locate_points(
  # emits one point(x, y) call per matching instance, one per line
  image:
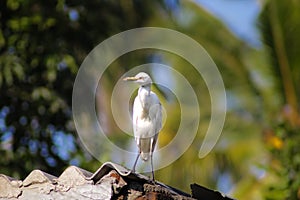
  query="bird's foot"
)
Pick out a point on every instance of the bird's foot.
point(153, 182)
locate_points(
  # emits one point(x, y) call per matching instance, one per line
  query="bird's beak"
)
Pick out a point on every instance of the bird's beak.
point(130, 79)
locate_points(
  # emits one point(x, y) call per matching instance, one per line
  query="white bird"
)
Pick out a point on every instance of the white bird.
point(147, 118)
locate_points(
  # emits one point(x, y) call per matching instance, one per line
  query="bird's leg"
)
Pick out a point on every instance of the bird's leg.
point(152, 143)
point(133, 169)
point(151, 160)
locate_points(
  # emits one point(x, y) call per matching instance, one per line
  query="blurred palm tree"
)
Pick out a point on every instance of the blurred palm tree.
point(280, 27)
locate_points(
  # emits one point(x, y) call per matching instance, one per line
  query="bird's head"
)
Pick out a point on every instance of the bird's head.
point(141, 78)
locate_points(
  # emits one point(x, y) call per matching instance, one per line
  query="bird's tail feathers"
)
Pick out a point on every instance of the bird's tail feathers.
point(145, 156)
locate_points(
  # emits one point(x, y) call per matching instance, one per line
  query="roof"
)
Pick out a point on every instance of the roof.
point(110, 181)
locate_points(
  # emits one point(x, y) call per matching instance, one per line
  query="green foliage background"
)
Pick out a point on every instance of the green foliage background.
point(43, 43)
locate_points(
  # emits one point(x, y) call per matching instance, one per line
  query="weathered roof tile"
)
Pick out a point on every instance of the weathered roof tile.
point(110, 180)
point(72, 176)
point(38, 177)
point(9, 187)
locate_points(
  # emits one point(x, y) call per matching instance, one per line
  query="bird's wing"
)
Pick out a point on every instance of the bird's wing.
point(155, 113)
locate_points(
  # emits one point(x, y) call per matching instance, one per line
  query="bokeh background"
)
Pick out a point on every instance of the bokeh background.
point(255, 45)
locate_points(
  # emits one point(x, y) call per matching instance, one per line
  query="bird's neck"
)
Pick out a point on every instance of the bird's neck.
point(145, 89)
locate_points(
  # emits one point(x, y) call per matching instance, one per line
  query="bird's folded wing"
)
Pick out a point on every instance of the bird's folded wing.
point(156, 116)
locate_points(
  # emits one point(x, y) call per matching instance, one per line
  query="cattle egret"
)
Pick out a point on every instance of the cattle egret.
point(146, 119)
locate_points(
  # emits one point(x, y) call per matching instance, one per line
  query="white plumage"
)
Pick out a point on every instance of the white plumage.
point(147, 118)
